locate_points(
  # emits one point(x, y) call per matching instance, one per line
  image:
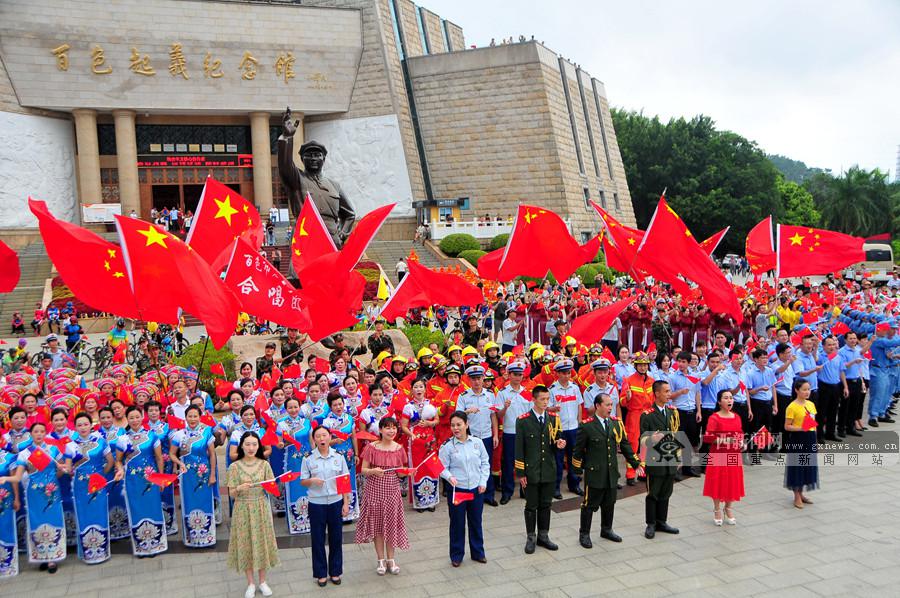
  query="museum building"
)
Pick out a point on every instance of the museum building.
point(133, 104)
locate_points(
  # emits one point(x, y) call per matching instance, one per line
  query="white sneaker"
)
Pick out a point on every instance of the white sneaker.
point(251, 591)
point(264, 589)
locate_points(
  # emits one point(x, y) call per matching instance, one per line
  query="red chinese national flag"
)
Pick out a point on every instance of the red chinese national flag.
point(221, 217)
point(96, 483)
point(710, 244)
point(591, 327)
point(161, 479)
point(805, 251)
point(270, 438)
point(332, 295)
point(342, 436)
point(208, 420)
point(840, 328)
point(760, 247)
point(175, 422)
point(489, 264)
point(9, 268)
point(217, 369)
point(432, 467)
point(223, 387)
point(293, 371)
point(670, 246)
point(311, 239)
point(620, 243)
point(363, 435)
point(92, 267)
point(540, 241)
point(272, 488)
point(289, 439)
point(342, 484)
point(461, 497)
point(166, 275)
point(289, 476)
point(39, 459)
point(423, 287)
point(763, 438)
point(262, 290)
point(361, 235)
point(809, 422)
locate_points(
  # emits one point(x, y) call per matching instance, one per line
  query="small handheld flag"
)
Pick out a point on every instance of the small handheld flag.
point(96, 483)
point(161, 479)
point(342, 483)
point(461, 497)
point(271, 486)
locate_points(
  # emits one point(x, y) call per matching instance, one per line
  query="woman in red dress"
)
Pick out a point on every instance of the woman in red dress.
point(724, 473)
point(381, 517)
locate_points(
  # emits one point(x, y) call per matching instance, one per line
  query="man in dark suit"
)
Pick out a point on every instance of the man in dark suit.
point(658, 427)
point(538, 438)
point(595, 456)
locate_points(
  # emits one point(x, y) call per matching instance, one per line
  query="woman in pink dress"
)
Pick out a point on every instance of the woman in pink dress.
point(381, 517)
point(725, 472)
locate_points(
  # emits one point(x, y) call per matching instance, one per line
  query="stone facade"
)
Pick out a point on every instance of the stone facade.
point(498, 129)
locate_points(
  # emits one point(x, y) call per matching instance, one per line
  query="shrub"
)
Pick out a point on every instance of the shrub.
point(194, 353)
point(587, 273)
point(499, 241)
point(456, 243)
point(472, 256)
point(421, 336)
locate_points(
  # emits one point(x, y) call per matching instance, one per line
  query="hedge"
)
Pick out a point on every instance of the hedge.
point(499, 241)
point(420, 336)
point(456, 243)
point(472, 256)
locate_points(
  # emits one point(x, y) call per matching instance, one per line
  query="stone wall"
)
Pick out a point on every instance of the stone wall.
point(457, 39)
point(434, 32)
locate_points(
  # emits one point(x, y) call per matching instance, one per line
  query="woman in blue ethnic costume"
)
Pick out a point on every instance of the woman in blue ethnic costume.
point(193, 452)
point(139, 451)
point(153, 410)
point(271, 417)
point(45, 522)
point(418, 422)
point(9, 503)
point(60, 432)
point(340, 422)
point(315, 409)
point(91, 455)
point(15, 440)
point(118, 511)
point(298, 428)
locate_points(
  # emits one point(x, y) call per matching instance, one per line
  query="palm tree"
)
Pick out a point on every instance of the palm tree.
point(857, 203)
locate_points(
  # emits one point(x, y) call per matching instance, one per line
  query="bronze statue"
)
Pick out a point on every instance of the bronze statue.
point(336, 210)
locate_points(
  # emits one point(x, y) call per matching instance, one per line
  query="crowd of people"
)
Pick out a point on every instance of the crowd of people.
point(311, 443)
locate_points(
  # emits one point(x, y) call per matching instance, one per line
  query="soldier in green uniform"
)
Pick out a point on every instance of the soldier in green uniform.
point(537, 440)
point(655, 423)
point(595, 456)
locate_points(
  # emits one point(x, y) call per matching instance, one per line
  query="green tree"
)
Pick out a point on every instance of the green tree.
point(714, 178)
point(793, 170)
point(799, 206)
point(859, 202)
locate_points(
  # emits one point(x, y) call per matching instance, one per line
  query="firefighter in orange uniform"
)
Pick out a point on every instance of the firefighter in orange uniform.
point(637, 396)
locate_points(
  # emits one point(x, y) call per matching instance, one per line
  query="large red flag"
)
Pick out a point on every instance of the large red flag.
point(332, 300)
point(670, 246)
point(166, 275)
point(591, 327)
point(423, 287)
point(489, 264)
point(9, 268)
point(710, 244)
point(262, 290)
point(92, 267)
point(362, 234)
point(620, 244)
point(804, 251)
point(760, 247)
point(540, 242)
point(221, 217)
point(311, 238)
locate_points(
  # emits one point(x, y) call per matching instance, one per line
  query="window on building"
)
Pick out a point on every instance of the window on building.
point(602, 199)
point(585, 236)
point(446, 35)
point(587, 197)
point(616, 201)
point(444, 213)
point(420, 21)
point(397, 39)
point(465, 204)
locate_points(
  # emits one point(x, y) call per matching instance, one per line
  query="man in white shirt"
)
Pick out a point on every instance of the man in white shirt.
point(601, 385)
point(511, 327)
point(514, 401)
point(566, 401)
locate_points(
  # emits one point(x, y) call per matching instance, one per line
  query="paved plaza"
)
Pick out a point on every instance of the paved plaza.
point(846, 544)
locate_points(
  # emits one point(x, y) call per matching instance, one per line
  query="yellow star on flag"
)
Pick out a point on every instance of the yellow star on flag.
point(631, 241)
point(529, 216)
point(111, 252)
point(118, 275)
point(296, 252)
point(154, 237)
point(249, 222)
point(225, 210)
point(797, 239)
point(106, 265)
point(246, 208)
point(302, 232)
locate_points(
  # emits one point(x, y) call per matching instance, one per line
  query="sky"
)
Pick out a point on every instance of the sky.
point(817, 81)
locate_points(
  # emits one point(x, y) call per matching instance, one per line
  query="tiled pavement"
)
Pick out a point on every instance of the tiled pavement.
point(846, 544)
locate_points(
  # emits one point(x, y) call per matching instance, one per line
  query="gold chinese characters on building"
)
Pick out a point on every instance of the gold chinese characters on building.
point(249, 67)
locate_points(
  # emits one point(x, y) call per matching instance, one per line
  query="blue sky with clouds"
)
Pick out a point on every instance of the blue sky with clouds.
point(818, 81)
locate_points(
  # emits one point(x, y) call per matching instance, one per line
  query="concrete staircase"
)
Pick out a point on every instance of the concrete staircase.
point(35, 267)
point(388, 253)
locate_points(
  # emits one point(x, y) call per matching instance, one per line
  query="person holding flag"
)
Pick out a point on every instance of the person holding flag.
point(138, 450)
point(516, 401)
point(467, 468)
point(45, 521)
point(802, 471)
point(418, 421)
point(294, 432)
point(10, 502)
point(327, 478)
point(153, 410)
point(482, 407)
point(344, 443)
point(193, 453)
point(251, 546)
point(91, 459)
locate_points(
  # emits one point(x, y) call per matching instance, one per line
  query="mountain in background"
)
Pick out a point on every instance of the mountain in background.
point(794, 170)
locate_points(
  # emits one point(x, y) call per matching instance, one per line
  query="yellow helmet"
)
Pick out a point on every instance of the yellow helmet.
point(399, 359)
point(491, 345)
point(534, 347)
point(538, 353)
point(453, 348)
point(640, 357)
point(424, 352)
point(508, 356)
point(381, 357)
point(469, 350)
point(570, 340)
